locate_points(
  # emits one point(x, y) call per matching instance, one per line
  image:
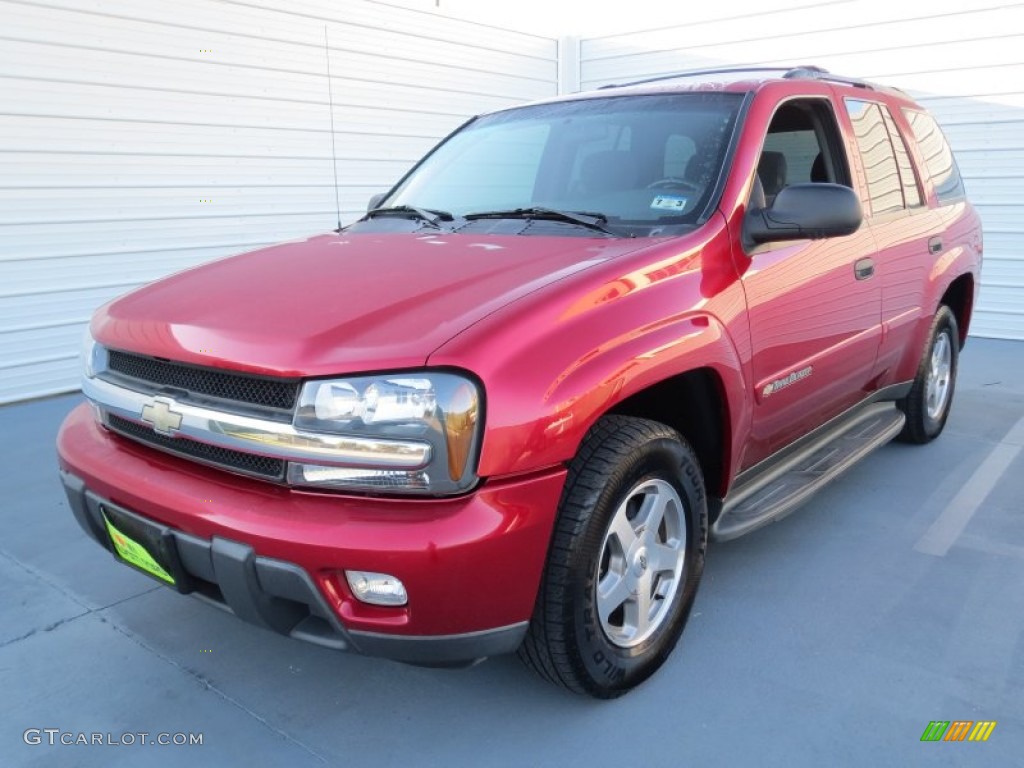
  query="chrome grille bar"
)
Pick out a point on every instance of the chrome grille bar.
point(254, 435)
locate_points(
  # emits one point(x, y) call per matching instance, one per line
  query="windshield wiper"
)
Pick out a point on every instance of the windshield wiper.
point(427, 215)
point(586, 219)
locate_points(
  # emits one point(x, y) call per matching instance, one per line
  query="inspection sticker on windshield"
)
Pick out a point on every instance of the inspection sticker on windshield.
point(668, 203)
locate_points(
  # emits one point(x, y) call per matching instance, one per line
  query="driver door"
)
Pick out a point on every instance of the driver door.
point(814, 306)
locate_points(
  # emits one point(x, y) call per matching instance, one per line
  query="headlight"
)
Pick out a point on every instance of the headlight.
point(441, 412)
point(94, 356)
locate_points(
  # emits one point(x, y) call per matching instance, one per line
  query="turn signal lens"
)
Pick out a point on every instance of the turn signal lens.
point(459, 427)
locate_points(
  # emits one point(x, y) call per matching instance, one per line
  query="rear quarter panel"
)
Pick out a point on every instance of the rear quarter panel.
point(917, 293)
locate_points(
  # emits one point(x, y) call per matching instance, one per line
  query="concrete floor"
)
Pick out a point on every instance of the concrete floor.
point(833, 637)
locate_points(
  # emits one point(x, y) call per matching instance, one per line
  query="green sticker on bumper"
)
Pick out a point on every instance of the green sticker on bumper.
point(133, 552)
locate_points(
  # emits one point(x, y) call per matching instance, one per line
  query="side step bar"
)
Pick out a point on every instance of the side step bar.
point(773, 493)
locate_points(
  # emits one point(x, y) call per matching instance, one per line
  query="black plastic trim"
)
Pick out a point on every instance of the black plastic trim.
point(443, 650)
point(725, 169)
point(269, 396)
point(281, 596)
point(74, 488)
point(269, 468)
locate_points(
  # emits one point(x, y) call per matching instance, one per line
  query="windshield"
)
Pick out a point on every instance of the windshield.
point(644, 164)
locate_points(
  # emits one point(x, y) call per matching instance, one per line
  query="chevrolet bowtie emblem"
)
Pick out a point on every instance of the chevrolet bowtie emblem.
point(164, 420)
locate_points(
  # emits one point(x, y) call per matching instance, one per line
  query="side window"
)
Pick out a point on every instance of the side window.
point(938, 157)
point(885, 189)
point(908, 180)
point(802, 147)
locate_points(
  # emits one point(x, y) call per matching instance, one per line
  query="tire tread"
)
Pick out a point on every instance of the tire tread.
point(915, 430)
point(546, 649)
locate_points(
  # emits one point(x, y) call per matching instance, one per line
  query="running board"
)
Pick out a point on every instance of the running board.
point(774, 493)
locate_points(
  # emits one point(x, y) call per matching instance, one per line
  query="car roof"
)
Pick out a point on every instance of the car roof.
point(729, 80)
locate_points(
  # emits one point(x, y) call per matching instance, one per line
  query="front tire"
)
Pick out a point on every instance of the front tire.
point(625, 560)
point(931, 396)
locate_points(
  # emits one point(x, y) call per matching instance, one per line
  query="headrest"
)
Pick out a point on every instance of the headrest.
point(609, 171)
point(818, 172)
point(772, 170)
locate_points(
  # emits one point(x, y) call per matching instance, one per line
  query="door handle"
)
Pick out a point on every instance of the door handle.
point(864, 268)
point(935, 245)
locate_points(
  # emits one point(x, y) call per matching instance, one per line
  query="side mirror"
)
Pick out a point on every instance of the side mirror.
point(812, 211)
point(376, 200)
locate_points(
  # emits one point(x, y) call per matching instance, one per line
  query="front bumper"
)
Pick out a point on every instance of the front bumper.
point(275, 556)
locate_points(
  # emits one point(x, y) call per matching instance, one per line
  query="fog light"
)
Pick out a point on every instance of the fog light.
point(377, 588)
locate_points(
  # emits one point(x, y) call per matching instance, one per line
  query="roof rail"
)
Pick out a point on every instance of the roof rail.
point(695, 73)
point(807, 72)
point(811, 72)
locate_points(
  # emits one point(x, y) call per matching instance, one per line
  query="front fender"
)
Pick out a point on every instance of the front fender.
point(593, 385)
point(554, 363)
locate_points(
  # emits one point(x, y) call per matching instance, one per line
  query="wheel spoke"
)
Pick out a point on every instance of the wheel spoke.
point(643, 603)
point(622, 529)
point(652, 512)
point(612, 591)
point(662, 557)
point(638, 555)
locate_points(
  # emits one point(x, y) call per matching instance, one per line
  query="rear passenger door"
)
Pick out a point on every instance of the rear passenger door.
point(905, 230)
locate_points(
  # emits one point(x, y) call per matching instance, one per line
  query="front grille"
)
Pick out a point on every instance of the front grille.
point(248, 463)
point(222, 385)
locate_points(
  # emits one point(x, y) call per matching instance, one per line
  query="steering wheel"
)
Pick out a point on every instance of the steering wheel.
point(674, 181)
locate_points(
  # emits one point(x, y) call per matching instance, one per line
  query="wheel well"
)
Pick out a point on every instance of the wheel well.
point(692, 403)
point(959, 297)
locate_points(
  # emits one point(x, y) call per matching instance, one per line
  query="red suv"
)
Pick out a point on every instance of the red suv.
point(507, 408)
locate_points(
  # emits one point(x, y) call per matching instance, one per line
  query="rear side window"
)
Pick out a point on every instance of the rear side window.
point(885, 188)
point(938, 157)
point(911, 192)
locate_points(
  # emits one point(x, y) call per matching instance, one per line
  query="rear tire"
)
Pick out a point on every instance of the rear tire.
point(625, 560)
point(931, 396)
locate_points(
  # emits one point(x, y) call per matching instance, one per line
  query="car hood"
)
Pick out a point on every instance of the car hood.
point(341, 302)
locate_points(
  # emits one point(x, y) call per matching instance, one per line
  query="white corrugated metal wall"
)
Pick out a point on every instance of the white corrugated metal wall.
point(137, 139)
point(140, 138)
point(964, 62)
